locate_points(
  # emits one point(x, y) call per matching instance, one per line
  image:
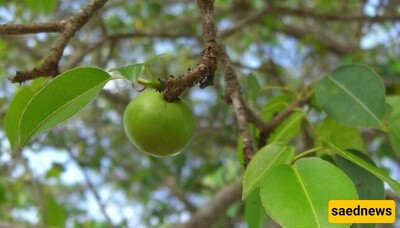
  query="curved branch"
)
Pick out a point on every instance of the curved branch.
point(203, 73)
point(71, 26)
point(268, 128)
point(92, 188)
point(216, 207)
point(241, 110)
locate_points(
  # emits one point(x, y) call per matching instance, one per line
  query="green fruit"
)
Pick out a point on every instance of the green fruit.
point(157, 127)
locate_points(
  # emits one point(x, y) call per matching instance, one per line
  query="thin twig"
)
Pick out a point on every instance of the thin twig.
point(71, 26)
point(179, 193)
point(202, 73)
point(269, 127)
point(92, 188)
point(18, 29)
point(254, 17)
point(307, 13)
point(37, 191)
point(216, 207)
point(241, 111)
point(232, 84)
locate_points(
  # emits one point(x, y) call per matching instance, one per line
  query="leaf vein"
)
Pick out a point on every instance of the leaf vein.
point(356, 99)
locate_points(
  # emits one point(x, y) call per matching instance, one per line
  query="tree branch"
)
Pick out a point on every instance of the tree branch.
point(71, 26)
point(92, 188)
point(203, 73)
point(216, 207)
point(253, 18)
point(19, 29)
point(233, 93)
point(180, 194)
point(306, 13)
point(325, 39)
point(268, 128)
point(322, 37)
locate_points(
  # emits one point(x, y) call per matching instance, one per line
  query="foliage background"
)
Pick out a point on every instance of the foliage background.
point(86, 173)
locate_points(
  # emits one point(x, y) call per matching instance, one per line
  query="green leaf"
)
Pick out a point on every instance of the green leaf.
point(14, 114)
point(3, 196)
point(287, 129)
point(395, 142)
point(363, 225)
point(255, 215)
point(353, 95)
point(55, 171)
point(341, 135)
point(368, 186)
point(239, 149)
point(275, 105)
point(60, 99)
point(131, 72)
point(394, 122)
point(149, 74)
point(253, 90)
point(38, 83)
point(43, 6)
point(214, 179)
point(298, 195)
point(154, 58)
point(55, 213)
point(363, 164)
point(263, 161)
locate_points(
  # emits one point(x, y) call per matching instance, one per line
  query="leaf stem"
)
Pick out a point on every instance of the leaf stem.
point(117, 77)
point(149, 74)
point(307, 152)
point(285, 89)
point(151, 84)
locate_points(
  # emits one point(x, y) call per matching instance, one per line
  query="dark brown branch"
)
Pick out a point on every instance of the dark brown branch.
point(216, 207)
point(18, 29)
point(252, 118)
point(207, 9)
point(72, 25)
point(241, 111)
point(203, 73)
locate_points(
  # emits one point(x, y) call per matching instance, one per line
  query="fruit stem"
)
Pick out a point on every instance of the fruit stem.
point(154, 85)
